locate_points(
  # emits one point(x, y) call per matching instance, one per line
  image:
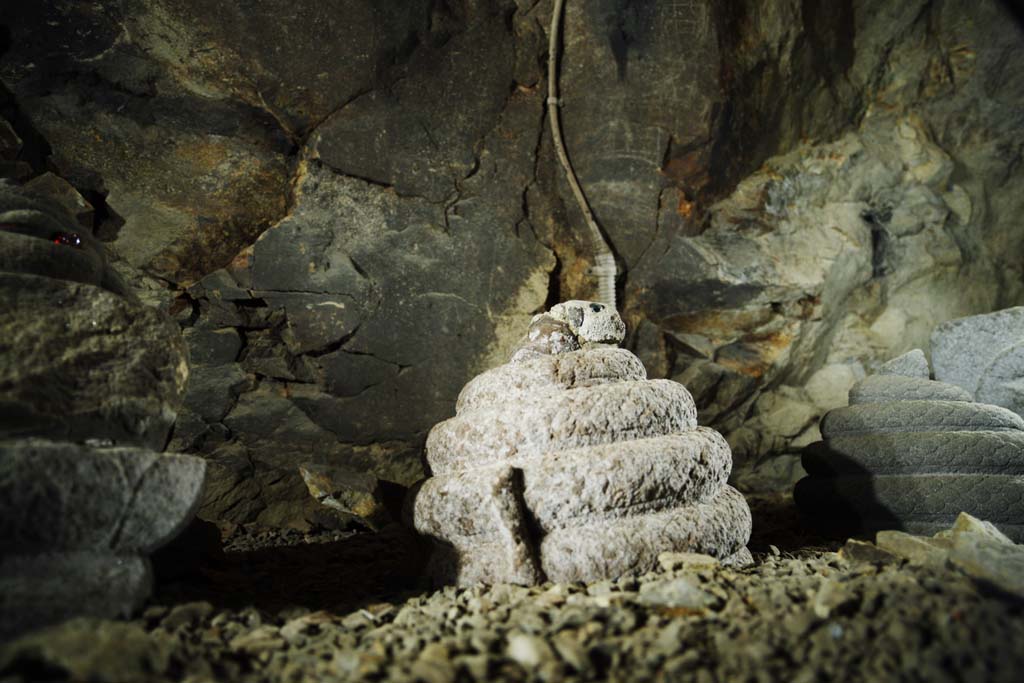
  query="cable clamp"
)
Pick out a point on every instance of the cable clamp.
point(554, 101)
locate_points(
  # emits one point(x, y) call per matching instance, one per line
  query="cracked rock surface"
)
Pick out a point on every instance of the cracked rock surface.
point(911, 453)
point(793, 192)
point(582, 470)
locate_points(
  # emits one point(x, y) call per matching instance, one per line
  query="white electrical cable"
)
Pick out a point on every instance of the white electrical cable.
point(604, 261)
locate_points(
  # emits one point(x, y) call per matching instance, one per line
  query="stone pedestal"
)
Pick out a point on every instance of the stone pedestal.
point(568, 464)
point(90, 382)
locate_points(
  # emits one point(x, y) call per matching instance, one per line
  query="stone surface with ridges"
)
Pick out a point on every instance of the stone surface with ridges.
point(558, 371)
point(890, 388)
point(64, 496)
point(918, 416)
point(925, 453)
point(911, 364)
point(568, 464)
point(36, 590)
point(931, 498)
point(607, 481)
point(1002, 381)
point(720, 527)
point(963, 348)
point(556, 420)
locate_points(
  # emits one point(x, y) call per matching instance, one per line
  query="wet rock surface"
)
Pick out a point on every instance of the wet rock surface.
point(270, 614)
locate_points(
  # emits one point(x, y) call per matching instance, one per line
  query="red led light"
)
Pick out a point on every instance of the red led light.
point(69, 239)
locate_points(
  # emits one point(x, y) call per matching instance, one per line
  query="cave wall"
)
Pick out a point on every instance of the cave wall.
point(352, 207)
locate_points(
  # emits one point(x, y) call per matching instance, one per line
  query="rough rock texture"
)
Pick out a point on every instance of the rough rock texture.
point(79, 362)
point(42, 589)
point(83, 366)
point(913, 363)
point(984, 354)
point(853, 247)
point(78, 524)
point(576, 472)
point(315, 608)
point(79, 357)
point(885, 388)
point(879, 143)
point(63, 496)
point(963, 349)
point(1002, 382)
point(973, 546)
point(910, 453)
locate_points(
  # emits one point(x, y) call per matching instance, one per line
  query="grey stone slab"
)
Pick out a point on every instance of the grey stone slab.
point(64, 496)
point(918, 452)
point(1002, 381)
point(316, 321)
point(557, 420)
point(890, 388)
point(38, 590)
point(911, 364)
point(430, 122)
point(932, 498)
point(918, 416)
point(963, 348)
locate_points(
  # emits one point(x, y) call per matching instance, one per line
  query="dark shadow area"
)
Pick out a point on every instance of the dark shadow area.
point(1016, 8)
point(339, 576)
point(777, 522)
point(836, 499)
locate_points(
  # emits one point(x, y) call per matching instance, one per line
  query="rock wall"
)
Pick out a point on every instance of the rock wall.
point(353, 207)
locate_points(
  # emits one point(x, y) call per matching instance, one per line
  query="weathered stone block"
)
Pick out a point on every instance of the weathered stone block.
point(581, 470)
point(962, 349)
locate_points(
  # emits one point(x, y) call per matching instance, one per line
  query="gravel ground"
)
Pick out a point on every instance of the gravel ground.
point(353, 608)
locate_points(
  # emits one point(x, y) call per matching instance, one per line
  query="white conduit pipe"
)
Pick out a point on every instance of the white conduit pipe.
point(604, 261)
